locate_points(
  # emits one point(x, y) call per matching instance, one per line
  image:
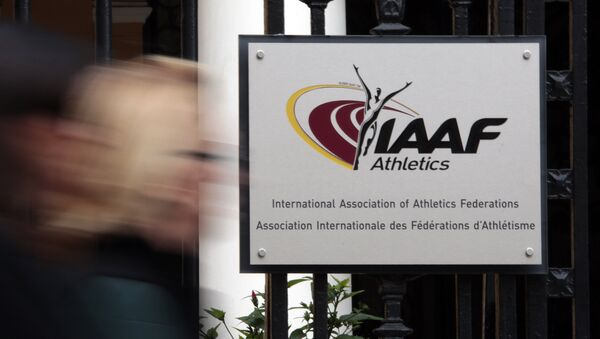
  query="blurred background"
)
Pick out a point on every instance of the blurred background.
point(207, 31)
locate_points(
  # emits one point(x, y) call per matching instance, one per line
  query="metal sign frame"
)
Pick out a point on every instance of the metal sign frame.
point(245, 263)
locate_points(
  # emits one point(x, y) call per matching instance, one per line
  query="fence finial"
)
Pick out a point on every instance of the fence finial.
point(390, 13)
point(317, 15)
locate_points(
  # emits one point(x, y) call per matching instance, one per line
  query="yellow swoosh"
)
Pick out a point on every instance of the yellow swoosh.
point(291, 113)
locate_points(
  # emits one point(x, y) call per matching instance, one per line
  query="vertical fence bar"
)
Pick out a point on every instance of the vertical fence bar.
point(274, 17)
point(320, 304)
point(506, 305)
point(534, 13)
point(463, 283)
point(277, 296)
point(189, 50)
point(103, 31)
point(506, 285)
point(278, 306)
point(536, 307)
point(393, 289)
point(317, 15)
point(489, 306)
point(460, 16)
point(189, 29)
point(23, 11)
point(317, 27)
point(317, 20)
point(536, 302)
point(579, 164)
point(464, 301)
point(504, 17)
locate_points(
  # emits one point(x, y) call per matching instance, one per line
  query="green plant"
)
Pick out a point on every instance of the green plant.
point(338, 326)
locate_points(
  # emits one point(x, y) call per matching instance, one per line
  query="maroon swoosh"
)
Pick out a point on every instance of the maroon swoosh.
point(320, 124)
point(344, 118)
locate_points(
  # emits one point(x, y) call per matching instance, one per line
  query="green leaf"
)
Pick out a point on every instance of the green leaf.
point(361, 307)
point(212, 332)
point(297, 308)
point(297, 334)
point(216, 313)
point(255, 319)
point(335, 279)
point(358, 317)
point(351, 294)
point(297, 281)
point(303, 306)
point(344, 283)
point(305, 328)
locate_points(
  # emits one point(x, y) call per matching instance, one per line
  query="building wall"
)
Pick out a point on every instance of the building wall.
point(75, 18)
point(220, 23)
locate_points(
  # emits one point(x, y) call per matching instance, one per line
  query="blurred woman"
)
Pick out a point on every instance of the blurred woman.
point(100, 193)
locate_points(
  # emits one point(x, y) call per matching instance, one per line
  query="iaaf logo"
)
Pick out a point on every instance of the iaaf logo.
point(347, 130)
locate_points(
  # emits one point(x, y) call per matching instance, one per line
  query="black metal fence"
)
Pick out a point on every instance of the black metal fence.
point(489, 305)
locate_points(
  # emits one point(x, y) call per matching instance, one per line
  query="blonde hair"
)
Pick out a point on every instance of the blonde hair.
point(129, 107)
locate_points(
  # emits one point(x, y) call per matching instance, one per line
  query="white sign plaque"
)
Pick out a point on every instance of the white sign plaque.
point(384, 154)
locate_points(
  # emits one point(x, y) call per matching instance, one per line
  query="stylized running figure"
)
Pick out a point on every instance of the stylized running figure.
point(373, 106)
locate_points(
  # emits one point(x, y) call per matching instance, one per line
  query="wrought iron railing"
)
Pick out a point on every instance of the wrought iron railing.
point(521, 302)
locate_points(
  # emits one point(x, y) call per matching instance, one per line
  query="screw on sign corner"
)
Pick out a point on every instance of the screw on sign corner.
point(529, 252)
